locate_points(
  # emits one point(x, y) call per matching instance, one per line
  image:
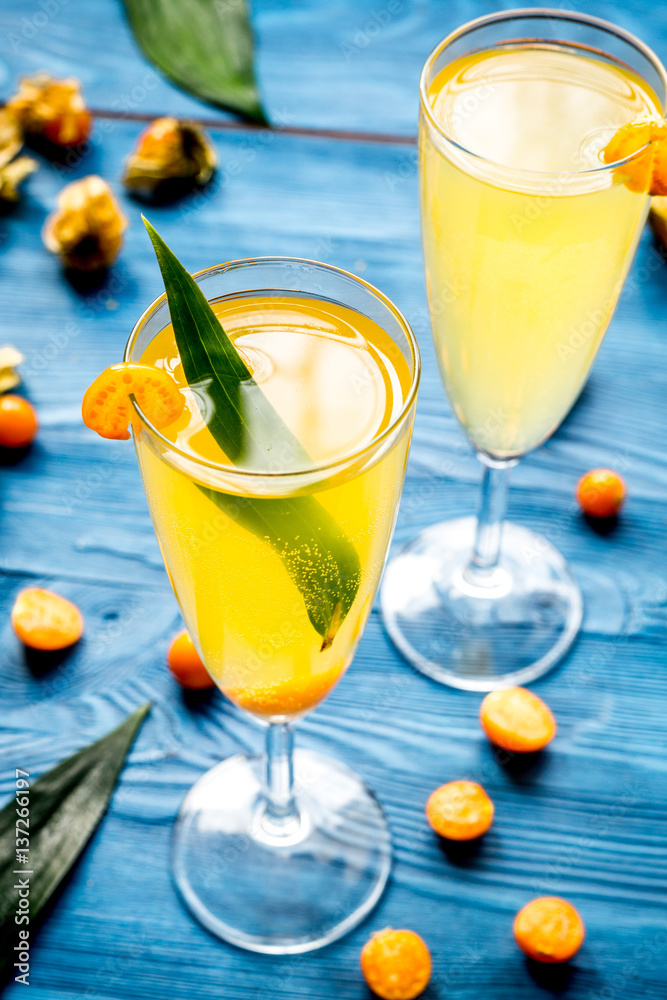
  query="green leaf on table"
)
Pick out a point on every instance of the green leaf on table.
point(317, 554)
point(65, 806)
point(204, 46)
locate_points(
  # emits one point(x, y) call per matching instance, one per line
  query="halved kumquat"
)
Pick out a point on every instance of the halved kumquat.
point(106, 404)
point(460, 810)
point(517, 720)
point(44, 620)
point(396, 964)
point(549, 929)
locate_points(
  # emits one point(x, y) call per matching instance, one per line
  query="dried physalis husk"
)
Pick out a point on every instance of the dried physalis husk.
point(13, 174)
point(87, 228)
point(10, 358)
point(168, 152)
point(51, 109)
point(11, 139)
point(13, 168)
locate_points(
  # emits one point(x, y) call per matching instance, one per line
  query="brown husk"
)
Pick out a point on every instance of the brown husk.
point(13, 168)
point(169, 156)
point(86, 230)
point(10, 357)
point(51, 109)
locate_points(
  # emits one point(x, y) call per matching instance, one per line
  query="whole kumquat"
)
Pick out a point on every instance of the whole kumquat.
point(106, 404)
point(44, 620)
point(18, 422)
point(549, 929)
point(298, 694)
point(396, 964)
point(460, 810)
point(517, 720)
point(601, 493)
point(186, 665)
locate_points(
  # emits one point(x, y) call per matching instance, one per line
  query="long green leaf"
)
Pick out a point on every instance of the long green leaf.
point(204, 46)
point(242, 420)
point(65, 806)
point(317, 554)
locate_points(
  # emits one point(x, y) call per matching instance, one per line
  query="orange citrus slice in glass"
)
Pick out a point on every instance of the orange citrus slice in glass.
point(646, 173)
point(106, 404)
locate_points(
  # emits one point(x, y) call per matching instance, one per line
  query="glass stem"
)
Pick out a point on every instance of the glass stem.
point(280, 815)
point(493, 504)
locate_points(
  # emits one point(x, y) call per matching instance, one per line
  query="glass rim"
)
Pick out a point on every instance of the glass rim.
point(327, 468)
point(539, 13)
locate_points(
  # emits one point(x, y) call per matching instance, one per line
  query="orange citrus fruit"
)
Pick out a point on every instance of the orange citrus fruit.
point(549, 929)
point(601, 493)
point(460, 810)
point(286, 697)
point(517, 720)
point(396, 964)
point(44, 620)
point(106, 404)
point(186, 664)
point(647, 172)
point(18, 421)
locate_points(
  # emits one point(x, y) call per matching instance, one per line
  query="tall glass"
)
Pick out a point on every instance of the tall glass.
point(284, 852)
point(524, 265)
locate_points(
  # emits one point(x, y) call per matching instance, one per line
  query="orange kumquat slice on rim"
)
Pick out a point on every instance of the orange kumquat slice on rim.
point(106, 403)
point(648, 172)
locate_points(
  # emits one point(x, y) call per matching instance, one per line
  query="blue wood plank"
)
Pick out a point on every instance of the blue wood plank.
point(586, 819)
point(345, 64)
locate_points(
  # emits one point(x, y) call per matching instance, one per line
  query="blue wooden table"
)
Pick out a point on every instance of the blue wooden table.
point(586, 819)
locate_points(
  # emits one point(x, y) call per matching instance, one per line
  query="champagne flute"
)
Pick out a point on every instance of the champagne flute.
point(275, 564)
point(528, 236)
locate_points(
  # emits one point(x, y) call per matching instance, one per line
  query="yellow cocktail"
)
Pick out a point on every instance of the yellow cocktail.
point(523, 274)
point(528, 233)
point(336, 379)
point(273, 497)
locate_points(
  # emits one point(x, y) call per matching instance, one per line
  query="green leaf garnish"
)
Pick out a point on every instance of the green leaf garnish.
point(243, 421)
point(204, 46)
point(317, 554)
point(65, 806)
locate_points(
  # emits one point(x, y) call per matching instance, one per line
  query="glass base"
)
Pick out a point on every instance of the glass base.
point(289, 892)
point(510, 630)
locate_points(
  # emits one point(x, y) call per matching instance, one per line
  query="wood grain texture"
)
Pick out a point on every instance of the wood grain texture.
point(586, 819)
